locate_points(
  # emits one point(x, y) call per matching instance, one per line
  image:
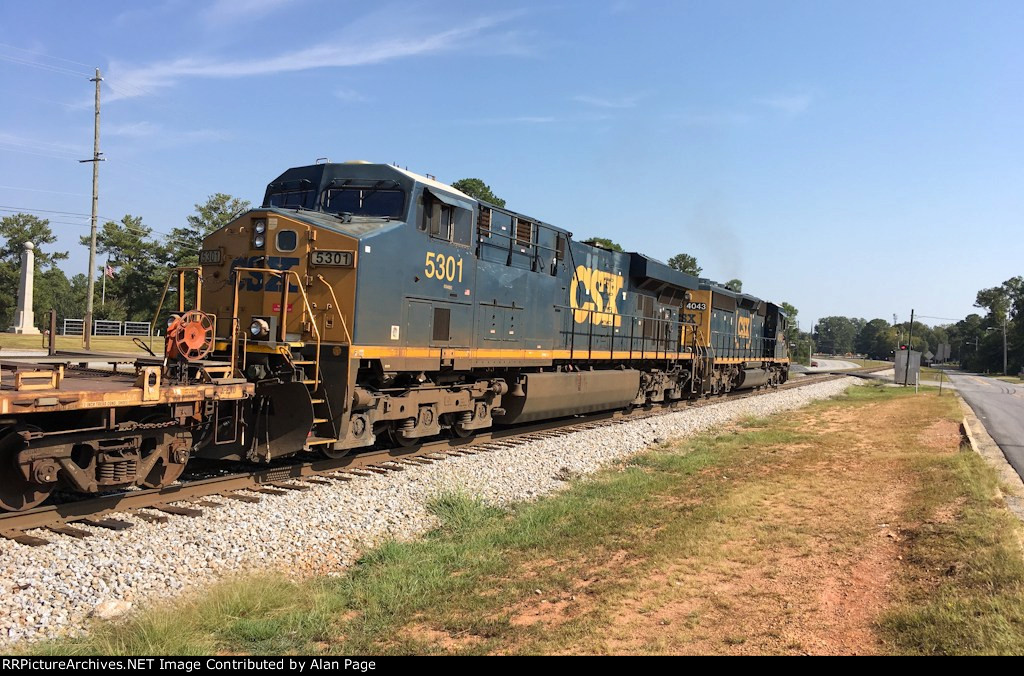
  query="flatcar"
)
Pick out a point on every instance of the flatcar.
point(93, 423)
point(364, 301)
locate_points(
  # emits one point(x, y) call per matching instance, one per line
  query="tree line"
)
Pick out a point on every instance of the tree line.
point(139, 261)
point(976, 341)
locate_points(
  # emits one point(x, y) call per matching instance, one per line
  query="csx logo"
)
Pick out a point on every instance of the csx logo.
point(254, 282)
point(597, 299)
point(743, 327)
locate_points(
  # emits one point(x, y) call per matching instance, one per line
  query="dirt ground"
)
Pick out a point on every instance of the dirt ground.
point(810, 570)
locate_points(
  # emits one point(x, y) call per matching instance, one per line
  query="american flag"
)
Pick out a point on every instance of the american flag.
point(109, 271)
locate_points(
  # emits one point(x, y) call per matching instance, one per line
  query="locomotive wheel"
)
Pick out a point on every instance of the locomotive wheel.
point(460, 432)
point(16, 492)
point(398, 440)
point(333, 454)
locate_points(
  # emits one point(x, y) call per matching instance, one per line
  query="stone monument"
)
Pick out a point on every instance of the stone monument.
point(25, 321)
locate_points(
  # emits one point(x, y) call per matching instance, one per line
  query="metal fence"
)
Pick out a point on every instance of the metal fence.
point(137, 329)
point(73, 327)
point(107, 327)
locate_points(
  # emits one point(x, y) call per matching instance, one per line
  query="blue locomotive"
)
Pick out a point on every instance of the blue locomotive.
point(367, 301)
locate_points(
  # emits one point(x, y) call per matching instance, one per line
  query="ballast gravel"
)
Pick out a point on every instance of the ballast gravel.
point(54, 590)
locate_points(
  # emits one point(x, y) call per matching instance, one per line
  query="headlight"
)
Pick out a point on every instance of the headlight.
point(259, 328)
point(258, 241)
point(259, 225)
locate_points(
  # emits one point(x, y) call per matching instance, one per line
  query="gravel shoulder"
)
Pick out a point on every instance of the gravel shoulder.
point(54, 590)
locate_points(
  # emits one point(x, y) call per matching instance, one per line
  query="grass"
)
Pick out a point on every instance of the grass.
point(10, 341)
point(723, 543)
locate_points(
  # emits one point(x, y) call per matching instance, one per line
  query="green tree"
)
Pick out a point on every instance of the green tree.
point(140, 264)
point(734, 285)
point(604, 243)
point(684, 262)
point(835, 335)
point(873, 339)
point(218, 210)
point(791, 313)
point(474, 187)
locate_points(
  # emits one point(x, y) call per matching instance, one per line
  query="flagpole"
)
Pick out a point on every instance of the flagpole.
point(103, 295)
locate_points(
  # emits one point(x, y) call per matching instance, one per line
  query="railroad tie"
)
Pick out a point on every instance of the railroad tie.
point(25, 539)
point(70, 532)
point(151, 518)
point(241, 497)
point(109, 524)
point(288, 487)
point(179, 511)
point(270, 491)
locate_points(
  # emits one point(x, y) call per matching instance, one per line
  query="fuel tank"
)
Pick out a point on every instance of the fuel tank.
point(554, 395)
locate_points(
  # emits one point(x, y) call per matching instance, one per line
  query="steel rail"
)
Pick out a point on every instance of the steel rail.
point(13, 525)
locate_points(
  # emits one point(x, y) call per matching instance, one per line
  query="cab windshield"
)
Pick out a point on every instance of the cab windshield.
point(305, 199)
point(383, 201)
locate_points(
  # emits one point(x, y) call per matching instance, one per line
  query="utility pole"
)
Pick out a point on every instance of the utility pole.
point(96, 159)
point(810, 345)
point(910, 348)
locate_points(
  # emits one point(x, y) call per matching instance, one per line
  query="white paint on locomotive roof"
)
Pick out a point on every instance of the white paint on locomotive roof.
point(430, 182)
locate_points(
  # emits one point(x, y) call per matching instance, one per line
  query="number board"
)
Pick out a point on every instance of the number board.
point(210, 257)
point(337, 259)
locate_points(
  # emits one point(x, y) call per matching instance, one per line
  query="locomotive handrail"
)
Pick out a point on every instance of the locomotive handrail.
point(282, 313)
point(660, 343)
point(344, 324)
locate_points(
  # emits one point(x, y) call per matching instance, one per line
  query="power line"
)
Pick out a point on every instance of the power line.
point(43, 66)
point(45, 55)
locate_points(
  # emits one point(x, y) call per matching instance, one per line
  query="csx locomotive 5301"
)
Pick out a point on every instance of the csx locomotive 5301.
point(366, 301)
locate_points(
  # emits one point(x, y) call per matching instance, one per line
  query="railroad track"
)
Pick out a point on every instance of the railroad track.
point(192, 498)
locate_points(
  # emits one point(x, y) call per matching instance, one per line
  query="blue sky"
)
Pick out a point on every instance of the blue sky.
point(857, 159)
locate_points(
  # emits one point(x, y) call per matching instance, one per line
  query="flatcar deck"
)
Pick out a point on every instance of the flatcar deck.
point(76, 381)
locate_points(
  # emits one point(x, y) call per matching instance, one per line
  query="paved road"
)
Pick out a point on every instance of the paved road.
point(1000, 407)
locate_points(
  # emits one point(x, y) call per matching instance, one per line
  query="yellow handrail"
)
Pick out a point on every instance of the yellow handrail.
point(344, 324)
point(282, 313)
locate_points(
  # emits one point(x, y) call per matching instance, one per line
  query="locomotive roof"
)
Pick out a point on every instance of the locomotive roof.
point(323, 175)
point(645, 266)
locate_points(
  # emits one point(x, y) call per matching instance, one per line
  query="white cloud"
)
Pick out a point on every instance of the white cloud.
point(223, 11)
point(711, 118)
point(352, 49)
point(156, 135)
point(601, 102)
point(789, 104)
point(522, 119)
point(351, 96)
point(131, 130)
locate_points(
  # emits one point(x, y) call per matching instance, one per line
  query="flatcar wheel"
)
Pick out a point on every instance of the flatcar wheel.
point(164, 473)
point(16, 492)
point(173, 446)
